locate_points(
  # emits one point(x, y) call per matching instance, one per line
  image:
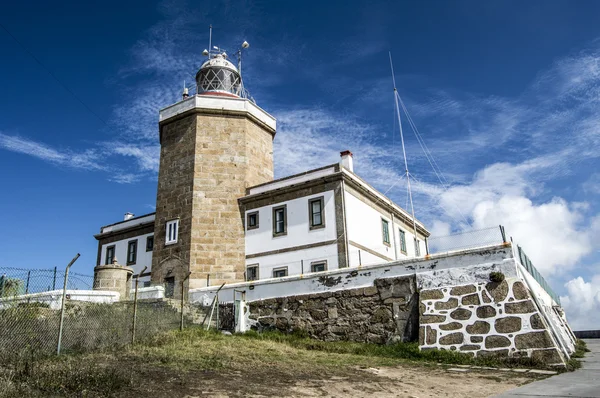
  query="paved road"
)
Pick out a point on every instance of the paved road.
point(583, 383)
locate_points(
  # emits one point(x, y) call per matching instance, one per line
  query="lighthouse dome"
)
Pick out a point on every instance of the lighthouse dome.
point(218, 75)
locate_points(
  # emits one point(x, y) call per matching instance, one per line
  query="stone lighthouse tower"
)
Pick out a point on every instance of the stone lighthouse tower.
point(214, 145)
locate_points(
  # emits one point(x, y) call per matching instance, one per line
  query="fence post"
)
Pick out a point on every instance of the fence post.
point(2, 283)
point(359, 259)
point(503, 234)
point(54, 281)
point(182, 300)
point(62, 305)
point(27, 285)
point(137, 279)
point(301, 267)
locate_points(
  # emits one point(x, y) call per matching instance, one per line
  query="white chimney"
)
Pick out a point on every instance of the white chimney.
point(346, 160)
point(128, 216)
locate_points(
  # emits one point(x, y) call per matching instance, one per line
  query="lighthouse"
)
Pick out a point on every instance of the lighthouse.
point(214, 144)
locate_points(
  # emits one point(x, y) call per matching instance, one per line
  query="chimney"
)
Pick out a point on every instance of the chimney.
point(128, 216)
point(185, 94)
point(346, 160)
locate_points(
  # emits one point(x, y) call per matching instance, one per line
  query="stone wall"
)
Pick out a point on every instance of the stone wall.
point(486, 319)
point(382, 313)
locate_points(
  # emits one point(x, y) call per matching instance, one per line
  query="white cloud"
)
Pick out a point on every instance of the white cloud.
point(582, 304)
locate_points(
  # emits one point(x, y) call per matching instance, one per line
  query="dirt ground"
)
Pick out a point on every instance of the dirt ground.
point(401, 381)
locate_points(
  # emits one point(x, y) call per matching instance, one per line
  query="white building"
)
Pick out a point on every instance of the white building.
point(322, 219)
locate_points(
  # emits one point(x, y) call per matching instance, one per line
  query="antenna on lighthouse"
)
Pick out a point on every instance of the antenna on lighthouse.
point(412, 207)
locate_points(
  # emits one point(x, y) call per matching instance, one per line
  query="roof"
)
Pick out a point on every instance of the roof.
point(127, 224)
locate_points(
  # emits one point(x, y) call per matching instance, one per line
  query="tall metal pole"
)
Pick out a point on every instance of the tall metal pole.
point(412, 207)
point(62, 305)
point(137, 279)
point(182, 300)
point(27, 285)
point(54, 280)
point(2, 284)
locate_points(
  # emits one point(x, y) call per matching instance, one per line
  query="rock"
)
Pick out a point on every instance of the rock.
point(476, 339)
point(496, 342)
point(381, 315)
point(465, 289)
point(432, 319)
point(431, 335)
point(533, 340)
point(496, 353)
point(422, 335)
point(225, 333)
point(471, 299)
point(332, 313)
point(548, 357)
point(536, 322)
point(434, 294)
point(520, 291)
point(470, 347)
point(509, 324)
point(479, 327)
point(460, 314)
point(486, 311)
point(451, 326)
point(498, 291)
point(485, 297)
point(446, 305)
point(452, 338)
point(370, 291)
point(520, 307)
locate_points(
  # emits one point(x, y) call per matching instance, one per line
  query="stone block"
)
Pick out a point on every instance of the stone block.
point(533, 340)
point(381, 315)
point(332, 313)
point(509, 324)
point(486, 311)
point(496, 341)
point(421, 335)
point(495, 353)
point(433, 294)
point(498, 291)
point(370, 291)
point(470, 347)
point(548, 357)
point(520, 307)
point(479, 327)
point(460, 314)
point(520, 291)
point(471, 299)
point(431, 336)
point(460, 290)
point(476, 339)
point(432, 319)
point(536, 322)
point(486, 297)
point(452, 338)
point(451, 326)
point(446, 305)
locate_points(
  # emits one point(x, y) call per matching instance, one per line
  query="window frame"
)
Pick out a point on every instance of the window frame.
point(248, 215)
point(315, 263)
point(257, 272)
point(385, 232)
point(150, 239)
point(402, 237)
point(280, 269)
point(106, 262)
point(321, 201)
point(133, 242)
point(417, 248)
point(172, 241)
point(275, 210)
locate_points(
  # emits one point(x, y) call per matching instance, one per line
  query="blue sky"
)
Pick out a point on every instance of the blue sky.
point(505, 95)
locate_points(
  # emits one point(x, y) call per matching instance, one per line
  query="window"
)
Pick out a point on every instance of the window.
point(385, 230)
point(417, 248)
point(170, 287)
point(280, 272)
point(315, 210)
point(318, 266)
point(110, 255)
point(252, 272)
point(402, 241)
point(252, 220)
point(149, 243)
point(172, 231)
point(131, 252)
point(279, 221)
point(147, 284)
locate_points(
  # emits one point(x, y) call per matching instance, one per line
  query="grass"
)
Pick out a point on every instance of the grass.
point(289, 356)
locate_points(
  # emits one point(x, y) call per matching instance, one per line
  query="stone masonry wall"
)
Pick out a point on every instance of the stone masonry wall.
point(485, 319)
point(382, 313)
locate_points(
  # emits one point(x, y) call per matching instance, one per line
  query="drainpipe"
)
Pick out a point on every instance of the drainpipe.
point(344, 218)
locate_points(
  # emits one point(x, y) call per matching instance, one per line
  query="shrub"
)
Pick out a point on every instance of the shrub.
point(496, 277)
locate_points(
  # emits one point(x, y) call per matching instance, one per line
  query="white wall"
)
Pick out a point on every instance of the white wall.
point(261, 239)
point(54, 298)
point(296, 261)
point(364, 227)
point(144, 258)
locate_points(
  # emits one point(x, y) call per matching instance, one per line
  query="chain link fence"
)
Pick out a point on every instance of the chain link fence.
point(31, 306)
